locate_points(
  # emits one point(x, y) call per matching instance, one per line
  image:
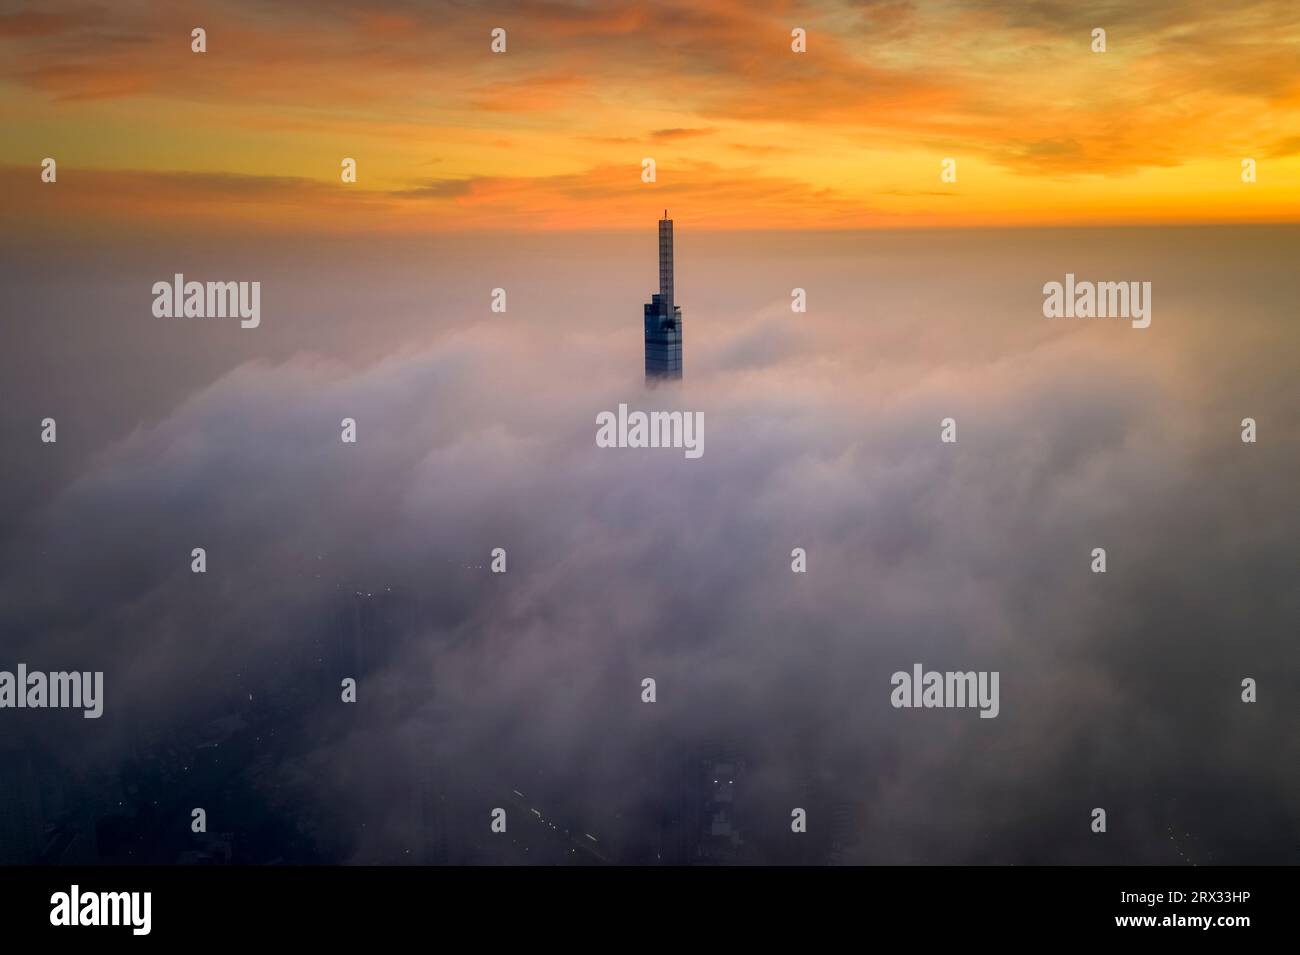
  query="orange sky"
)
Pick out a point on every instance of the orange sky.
point(552, 133)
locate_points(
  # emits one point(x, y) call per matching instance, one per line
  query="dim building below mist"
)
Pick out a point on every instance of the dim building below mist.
point(663, 319)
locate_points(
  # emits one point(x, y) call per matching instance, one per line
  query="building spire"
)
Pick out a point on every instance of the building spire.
point(666, 262)
point(663, 319)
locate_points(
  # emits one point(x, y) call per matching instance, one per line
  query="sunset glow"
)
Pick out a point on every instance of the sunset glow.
point(744, 132)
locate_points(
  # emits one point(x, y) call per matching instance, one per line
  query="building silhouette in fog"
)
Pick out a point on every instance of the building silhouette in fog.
point(663, 319)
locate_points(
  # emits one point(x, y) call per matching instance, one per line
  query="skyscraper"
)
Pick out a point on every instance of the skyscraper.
point(663, 319)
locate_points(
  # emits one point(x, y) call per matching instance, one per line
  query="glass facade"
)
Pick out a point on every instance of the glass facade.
point(663, 319)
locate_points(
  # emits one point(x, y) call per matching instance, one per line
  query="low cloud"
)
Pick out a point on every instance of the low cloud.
point(326, 559)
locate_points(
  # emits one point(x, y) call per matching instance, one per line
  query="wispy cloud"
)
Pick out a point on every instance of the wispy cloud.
point(1012, 90)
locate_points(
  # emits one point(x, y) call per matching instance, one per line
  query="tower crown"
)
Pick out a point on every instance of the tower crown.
point(663, 322)
point(666, 261)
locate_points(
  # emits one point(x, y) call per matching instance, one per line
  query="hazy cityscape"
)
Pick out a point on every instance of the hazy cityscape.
point(521, 690)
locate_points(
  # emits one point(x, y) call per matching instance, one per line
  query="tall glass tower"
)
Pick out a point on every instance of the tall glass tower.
point(663, 319)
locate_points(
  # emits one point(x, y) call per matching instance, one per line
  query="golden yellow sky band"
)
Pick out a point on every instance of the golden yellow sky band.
point(745, 133)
